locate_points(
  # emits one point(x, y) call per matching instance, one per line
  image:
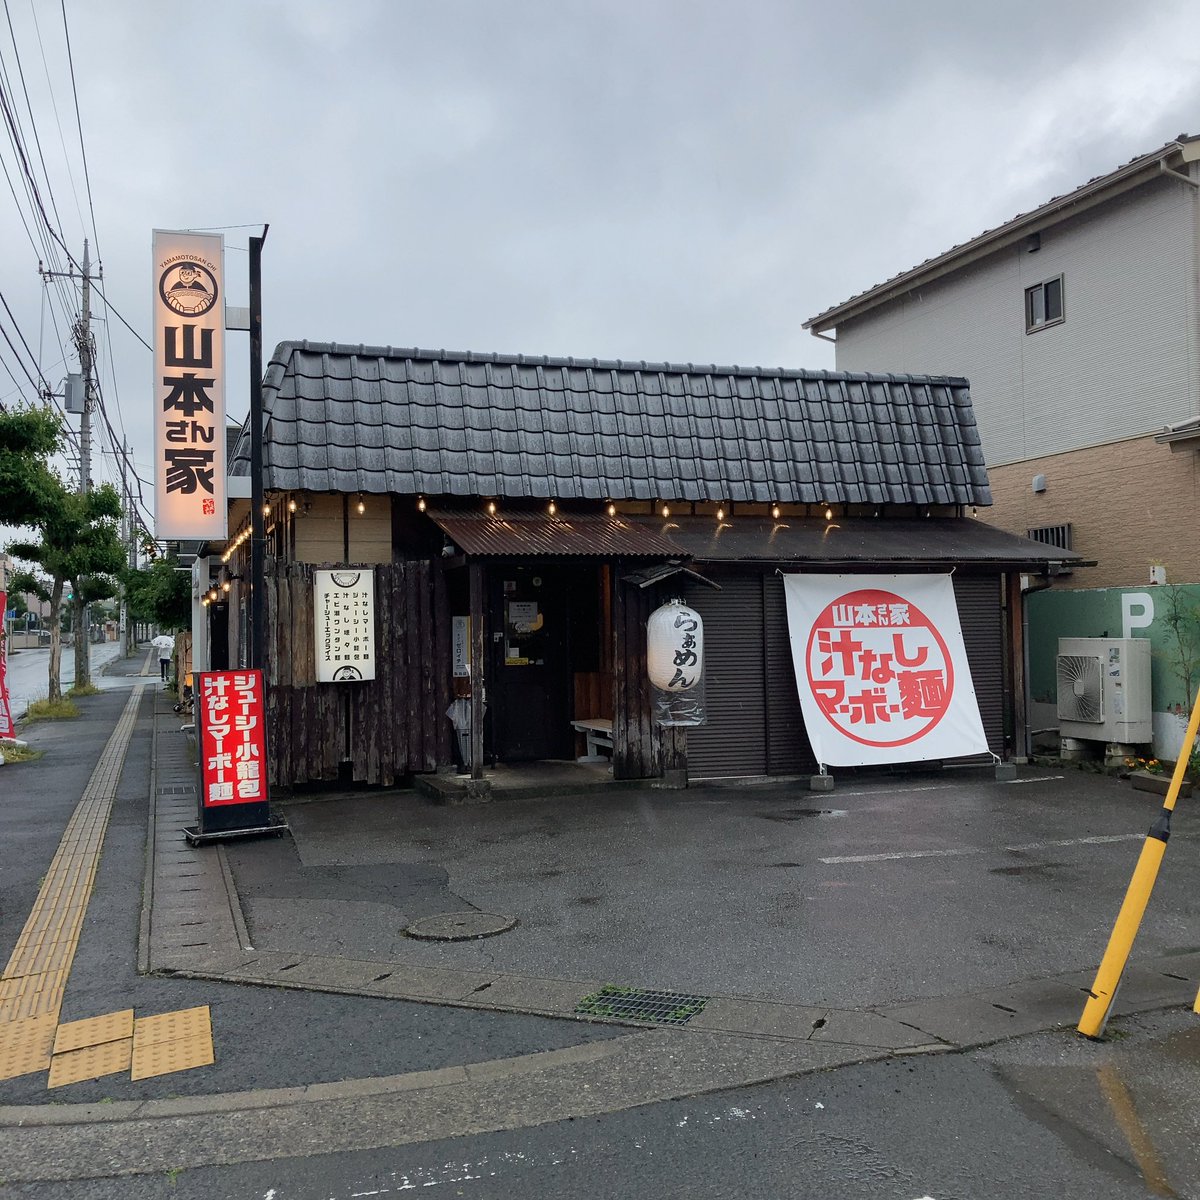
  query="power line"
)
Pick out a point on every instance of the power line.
point(79, 124)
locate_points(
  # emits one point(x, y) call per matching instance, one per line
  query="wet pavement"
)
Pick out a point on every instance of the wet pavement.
point(884, 891)
point(836, 934)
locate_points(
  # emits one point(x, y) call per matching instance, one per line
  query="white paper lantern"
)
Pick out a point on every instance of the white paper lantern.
point(675, 647)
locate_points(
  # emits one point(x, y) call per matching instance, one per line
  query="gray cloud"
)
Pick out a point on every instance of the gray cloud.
point(652, 180)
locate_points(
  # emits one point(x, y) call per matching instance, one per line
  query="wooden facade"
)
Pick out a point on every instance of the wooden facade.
point(386, 728)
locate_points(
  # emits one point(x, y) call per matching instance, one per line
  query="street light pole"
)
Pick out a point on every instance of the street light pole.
point(258, 550)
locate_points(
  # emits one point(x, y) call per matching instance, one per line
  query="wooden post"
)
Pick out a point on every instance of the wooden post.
point(477, 672)
point(1016, 642)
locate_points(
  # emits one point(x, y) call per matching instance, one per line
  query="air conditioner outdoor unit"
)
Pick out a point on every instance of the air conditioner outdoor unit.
point(1104, 689)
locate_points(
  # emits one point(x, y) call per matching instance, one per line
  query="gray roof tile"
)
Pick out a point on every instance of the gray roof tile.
point(376, 419)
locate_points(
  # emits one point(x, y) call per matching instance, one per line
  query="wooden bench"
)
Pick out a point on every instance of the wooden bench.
point(598, 731)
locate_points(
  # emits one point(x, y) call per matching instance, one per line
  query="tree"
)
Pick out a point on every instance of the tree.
point(28, 437)
point(80, 546)
point(1181, 617)
point(160, 593)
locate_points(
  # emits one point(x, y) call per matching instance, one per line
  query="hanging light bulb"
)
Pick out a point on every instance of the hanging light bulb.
point(420, 504)
point(552, 508)
point(612, 509)
point(362, 508)
point(775, 512)
point(720, 512)
point(666, 510)
point(828, 513)
point(225, 586)
point(491, 507)
point(292, 504)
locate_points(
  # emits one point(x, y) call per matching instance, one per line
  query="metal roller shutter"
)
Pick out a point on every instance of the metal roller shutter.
point(788, 748)
point(980, 614)
point(734, 742)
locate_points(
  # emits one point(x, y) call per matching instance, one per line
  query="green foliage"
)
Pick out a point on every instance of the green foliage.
point(12, 751)
point(51, 710)
point(79, 541)
point(28, 437)
point(160, 594)
point(1181, 618)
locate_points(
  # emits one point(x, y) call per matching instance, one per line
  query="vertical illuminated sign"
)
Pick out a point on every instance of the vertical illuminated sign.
point(189, 386)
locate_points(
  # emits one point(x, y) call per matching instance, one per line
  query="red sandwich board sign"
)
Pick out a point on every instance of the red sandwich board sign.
point(231, 719)
point(881, 669)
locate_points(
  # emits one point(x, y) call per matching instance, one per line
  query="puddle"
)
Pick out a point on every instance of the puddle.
point(1026, 869)
point(799, 814)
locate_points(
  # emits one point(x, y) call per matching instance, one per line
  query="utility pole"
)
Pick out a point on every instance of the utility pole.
point(86, 349)
point(128, 636)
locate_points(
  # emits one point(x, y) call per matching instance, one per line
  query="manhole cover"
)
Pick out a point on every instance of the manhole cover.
point(642, 1004)
point(459, 927)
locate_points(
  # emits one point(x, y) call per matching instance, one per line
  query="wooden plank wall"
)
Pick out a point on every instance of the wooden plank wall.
point(395, 724)
point(637, 741)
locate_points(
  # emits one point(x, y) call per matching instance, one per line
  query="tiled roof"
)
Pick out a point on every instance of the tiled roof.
point(1056, 208)
point(380, 420)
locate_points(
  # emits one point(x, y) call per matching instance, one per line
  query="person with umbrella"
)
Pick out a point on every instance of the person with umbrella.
point(166, 649)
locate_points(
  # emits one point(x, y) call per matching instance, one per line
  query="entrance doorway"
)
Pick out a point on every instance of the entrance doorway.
point(545, 630)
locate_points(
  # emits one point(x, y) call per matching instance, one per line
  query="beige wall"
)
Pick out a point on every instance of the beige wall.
point(1131, 505)
point(320, 530)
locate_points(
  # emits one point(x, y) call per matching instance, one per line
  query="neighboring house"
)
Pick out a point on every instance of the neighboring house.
point(1076, 325)
point(588, 492)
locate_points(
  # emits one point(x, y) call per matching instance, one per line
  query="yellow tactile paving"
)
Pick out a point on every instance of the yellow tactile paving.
point(94, 1031)
point(90, 1062)
point(33, 982)
point(163, 1058)
point(25, 1045)
point(171, 1026)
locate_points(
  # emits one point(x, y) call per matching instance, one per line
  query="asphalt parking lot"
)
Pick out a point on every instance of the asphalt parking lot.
point(888, 889)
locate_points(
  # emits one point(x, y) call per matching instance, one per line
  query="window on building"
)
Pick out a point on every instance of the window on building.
point(1044, 304)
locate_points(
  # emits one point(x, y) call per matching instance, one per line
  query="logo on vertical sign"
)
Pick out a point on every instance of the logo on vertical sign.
point(878, 668)
point(188, 288)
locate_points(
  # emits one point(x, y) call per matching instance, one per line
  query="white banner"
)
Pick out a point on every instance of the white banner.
point(344, 607)
point(881, 669)
point(189, 386)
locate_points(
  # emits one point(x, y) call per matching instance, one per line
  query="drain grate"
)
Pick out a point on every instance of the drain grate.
point(642, 1004)
point(177, 791)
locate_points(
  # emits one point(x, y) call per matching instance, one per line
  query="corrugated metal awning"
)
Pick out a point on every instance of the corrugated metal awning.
point(959, 541)
point(534, 534)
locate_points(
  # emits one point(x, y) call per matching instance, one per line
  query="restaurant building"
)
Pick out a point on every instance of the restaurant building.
point(515, 520)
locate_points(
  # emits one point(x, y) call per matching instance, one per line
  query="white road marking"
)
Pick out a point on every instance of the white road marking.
point(838, 859)
point(1035, 779)
point(965, 851)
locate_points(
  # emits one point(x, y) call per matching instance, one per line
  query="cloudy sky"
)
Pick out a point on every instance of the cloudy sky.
point(619, 179)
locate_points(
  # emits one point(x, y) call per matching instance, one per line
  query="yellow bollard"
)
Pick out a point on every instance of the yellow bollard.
point(1133, 908)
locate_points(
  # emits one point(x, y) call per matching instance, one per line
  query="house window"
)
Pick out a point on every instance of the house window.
point(1044, 304)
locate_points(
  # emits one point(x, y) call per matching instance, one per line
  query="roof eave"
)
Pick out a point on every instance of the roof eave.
point(1097, 192)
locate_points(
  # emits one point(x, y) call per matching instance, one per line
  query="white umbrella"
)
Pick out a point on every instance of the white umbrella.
point(164, 641)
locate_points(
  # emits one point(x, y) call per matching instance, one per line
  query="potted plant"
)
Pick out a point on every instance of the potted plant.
point(1152, 774)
